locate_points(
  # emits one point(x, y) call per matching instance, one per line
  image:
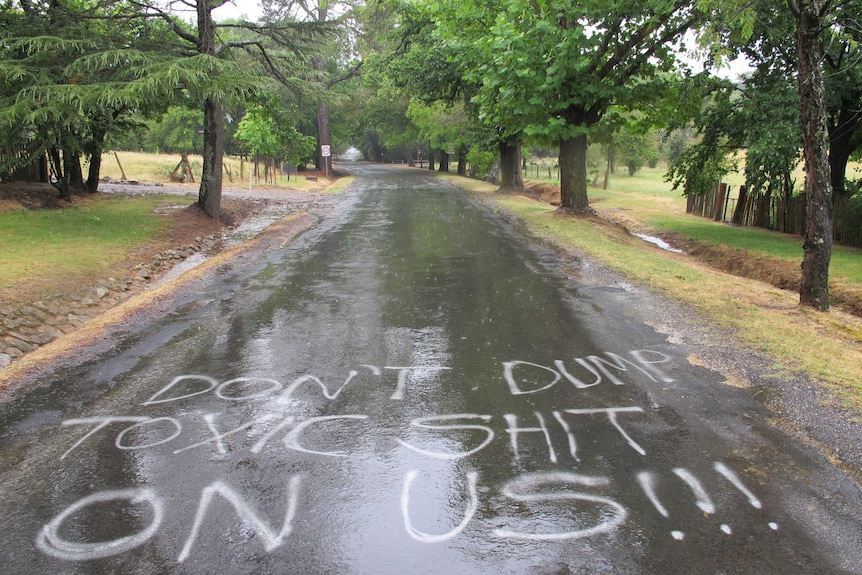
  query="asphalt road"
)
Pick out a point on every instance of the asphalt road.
point(409, 387)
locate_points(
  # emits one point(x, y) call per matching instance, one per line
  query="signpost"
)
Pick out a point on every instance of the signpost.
point(326, 152)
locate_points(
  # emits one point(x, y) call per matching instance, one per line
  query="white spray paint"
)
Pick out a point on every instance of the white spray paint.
point(421, 423)
point(410, 477)
point(50, 542)
point(527, 489)
point(270, 537)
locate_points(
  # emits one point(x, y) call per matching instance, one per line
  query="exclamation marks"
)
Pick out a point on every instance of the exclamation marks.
point(737, 482)
point(648, 482)
point(703, 501)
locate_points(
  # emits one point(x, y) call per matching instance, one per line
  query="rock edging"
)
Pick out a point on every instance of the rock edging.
point(27, 327)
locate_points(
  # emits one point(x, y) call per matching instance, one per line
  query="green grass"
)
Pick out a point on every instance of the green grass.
point(78, 240)
point(646, 197)
point(152, 168)
point(340, 185)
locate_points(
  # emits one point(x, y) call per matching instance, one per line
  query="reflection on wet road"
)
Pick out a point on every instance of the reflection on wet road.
point(411, 387)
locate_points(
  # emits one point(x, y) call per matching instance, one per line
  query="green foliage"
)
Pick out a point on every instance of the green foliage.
point(552, 69)
point(768, 120)
point(759, 117)
point(764, 32)
point(79, 72)
point(440, 124)
point(636, 148)
point(178, 131)
point(555, 67)
point(674, 142)
point(268, 129)
point(482, 161)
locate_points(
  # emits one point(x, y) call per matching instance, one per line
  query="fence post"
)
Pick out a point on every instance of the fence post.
point(720, 190)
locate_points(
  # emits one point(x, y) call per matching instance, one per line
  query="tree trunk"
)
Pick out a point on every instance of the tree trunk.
point(462, 161)
point(209, 194)
point(93, 172)
point(430, 159)
point(511, 176)
point(444, 162)
point(95, 152)
point(62, 182)
point(573, 174)
point(814, 290)
point(74, 173)
point(324, 135)
point(406, 154)
point(841, 133)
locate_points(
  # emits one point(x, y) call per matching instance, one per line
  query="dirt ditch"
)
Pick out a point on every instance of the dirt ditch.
point(775, 272)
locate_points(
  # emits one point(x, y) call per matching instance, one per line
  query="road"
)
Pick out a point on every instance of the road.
point(410, 387)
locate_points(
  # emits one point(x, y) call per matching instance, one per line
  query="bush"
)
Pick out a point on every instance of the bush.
point(480, 162)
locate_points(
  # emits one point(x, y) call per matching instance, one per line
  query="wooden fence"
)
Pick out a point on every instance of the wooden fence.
point(777, 213)
point(26, 167)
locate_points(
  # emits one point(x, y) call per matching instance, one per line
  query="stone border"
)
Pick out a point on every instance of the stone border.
point(27, 327)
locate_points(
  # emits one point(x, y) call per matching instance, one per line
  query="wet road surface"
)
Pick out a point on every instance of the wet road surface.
point(410, 387)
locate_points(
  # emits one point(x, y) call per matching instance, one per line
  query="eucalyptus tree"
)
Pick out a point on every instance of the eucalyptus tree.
point(811, 17)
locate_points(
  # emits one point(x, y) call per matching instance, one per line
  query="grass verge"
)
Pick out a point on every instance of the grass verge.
point(83, 240)
point(339, 185)
point(827, 347)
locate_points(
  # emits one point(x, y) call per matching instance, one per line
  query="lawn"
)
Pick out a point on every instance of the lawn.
point(86, 239)
point(647, 198)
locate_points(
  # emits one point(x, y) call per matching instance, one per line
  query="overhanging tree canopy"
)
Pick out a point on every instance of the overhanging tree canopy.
point(559, 65)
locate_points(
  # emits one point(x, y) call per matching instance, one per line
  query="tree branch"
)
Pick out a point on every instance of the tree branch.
point(354, 71)
point(171, 20)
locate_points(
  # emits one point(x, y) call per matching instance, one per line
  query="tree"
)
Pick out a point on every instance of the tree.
point(757, 115)
point(764, 32)
point(460, 48)
point(208, 52)
point(69, 83)
point(635, 147)
point(177, 131)
point(439, 125)
point(268, 128)
point(334, 62)
point(203, 41)
point(811, 16)
point(825, 35)
point(560, 65)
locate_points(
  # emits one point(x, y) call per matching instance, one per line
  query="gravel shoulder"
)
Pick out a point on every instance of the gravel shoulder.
point(794, 403)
